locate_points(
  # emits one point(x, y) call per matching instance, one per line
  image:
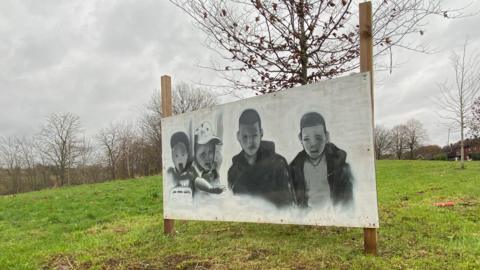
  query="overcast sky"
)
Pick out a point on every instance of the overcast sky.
point(102, 60)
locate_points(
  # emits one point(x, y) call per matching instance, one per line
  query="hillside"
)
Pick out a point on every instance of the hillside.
point(118, 225)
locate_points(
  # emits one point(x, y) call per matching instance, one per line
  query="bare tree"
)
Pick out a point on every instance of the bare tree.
point(415, 135)
point(188, 98)
point(127, 137)
point(118, 143)
point(28, 159)
point(399, 140)
point(109, 139)
point(10, 157)
point(280, 44)
point(430, 152)
point(151, 133)
point(85, 157)
point(185, 98)
point(457, 100)
point(383, 141)
point(58, 141)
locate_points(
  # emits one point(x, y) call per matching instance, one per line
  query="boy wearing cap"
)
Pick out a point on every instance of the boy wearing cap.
point(320, 173)
point(207, 159)
point(182, 173)
point(257, 170)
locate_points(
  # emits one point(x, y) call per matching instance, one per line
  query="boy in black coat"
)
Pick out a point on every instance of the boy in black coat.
point(320, 173)
point(257, 170)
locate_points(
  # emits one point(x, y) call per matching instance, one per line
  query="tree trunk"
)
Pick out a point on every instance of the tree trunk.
point(68, 176)
point(128, 164)
point(303, 44)
point(462, 153)
point(113, 172)
point(19, 179)
point(62, 175)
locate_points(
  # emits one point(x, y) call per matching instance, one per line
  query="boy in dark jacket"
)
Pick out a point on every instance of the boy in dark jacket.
point(320, 173)
point(257, 170)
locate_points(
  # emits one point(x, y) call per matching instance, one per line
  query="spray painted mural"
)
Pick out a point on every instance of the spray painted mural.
point(301, 156)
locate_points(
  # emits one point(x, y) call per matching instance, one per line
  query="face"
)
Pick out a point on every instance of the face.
point(250, 137)
point(313, 140)
point(180, 156)
point(204, 155)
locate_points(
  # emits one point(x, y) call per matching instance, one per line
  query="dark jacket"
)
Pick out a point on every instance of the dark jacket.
point(339, 176)
point(267, 178)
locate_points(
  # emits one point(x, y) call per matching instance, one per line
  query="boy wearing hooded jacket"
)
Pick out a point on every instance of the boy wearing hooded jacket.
point(320, 173)
point(257, 170)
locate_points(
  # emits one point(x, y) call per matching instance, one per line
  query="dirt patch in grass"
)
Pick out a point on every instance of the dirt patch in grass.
point(112, 263)
point(467, 202)
point(186, 262)
point(65, 262)
point(120, 230)
point(120, 263)
point(428, 190)
point(175, 261)
point(257, 254)
point(69, 262)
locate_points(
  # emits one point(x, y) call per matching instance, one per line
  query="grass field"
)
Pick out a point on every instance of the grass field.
point(118, 225)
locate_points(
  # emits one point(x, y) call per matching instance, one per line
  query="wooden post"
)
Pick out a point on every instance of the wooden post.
point(370, 240)
point(366, 43)
point(166, 84)
point(366, 65)
point(166, 88)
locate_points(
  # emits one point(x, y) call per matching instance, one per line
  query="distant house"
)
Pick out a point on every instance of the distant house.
point(471, 146)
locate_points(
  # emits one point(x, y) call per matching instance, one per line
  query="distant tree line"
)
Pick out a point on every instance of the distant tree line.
point(400, 142)
point(60, 153)
point(407, 141)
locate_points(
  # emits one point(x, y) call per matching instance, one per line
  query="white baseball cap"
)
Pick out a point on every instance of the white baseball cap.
point(204, 134)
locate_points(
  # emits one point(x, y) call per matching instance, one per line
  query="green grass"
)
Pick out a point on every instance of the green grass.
point(118, 225)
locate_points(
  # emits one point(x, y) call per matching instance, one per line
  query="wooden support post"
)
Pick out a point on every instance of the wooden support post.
point(166, 88)
point(366, 43)
point(366, 65)
point(370, 240)
point(166, 84)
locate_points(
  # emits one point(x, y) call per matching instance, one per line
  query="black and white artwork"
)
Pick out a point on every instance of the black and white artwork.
point(301, 156)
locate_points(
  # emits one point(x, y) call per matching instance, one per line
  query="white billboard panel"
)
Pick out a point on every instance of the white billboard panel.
point(300, 156)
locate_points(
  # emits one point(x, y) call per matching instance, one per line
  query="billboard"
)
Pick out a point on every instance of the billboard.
point(300, 156)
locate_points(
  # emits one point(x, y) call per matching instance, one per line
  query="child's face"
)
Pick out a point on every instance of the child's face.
point(180, 156)
point(250, 137)
point(205, 154)
point(313, 140)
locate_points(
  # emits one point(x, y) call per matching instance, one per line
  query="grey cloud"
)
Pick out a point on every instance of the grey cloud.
point(100, 60)
point(410, 91)
point(103, 59)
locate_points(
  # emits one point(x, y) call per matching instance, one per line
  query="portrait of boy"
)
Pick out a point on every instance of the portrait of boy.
point(320, 173)
point(181, 174)
point(257, 170)
point(207, 159)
